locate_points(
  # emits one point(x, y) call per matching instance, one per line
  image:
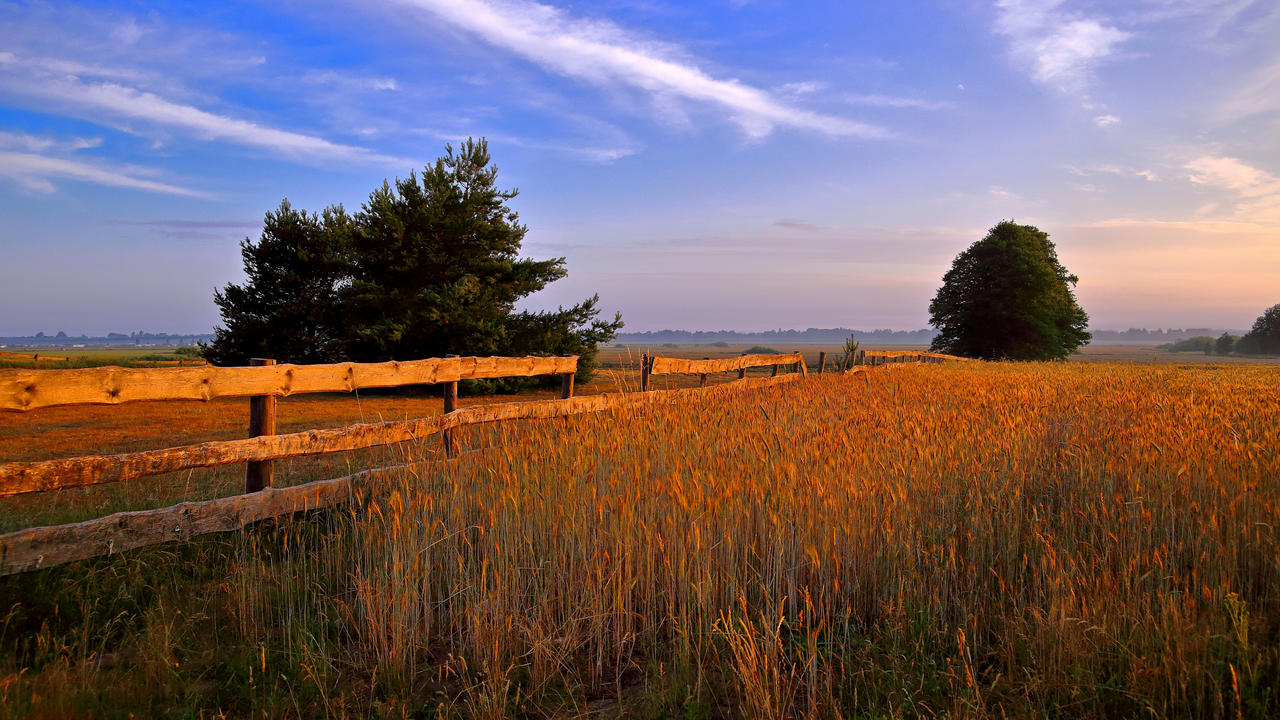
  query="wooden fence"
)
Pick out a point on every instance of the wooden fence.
point(651, 365)
point(263, 382)
point(24, 390)
point(874, 358)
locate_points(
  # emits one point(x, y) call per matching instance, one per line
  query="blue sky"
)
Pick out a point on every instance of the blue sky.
point(726, 164)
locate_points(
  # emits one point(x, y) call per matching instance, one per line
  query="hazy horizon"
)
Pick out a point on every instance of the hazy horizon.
point(729, 164)
point(628, 331)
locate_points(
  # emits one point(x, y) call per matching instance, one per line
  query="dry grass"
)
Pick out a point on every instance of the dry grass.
point(963, 541)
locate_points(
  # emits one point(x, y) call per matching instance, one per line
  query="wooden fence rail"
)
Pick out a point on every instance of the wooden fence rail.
point(881, 357)
point(22, 389)
point(655, 365)
point(263, 382)
point(44, 475)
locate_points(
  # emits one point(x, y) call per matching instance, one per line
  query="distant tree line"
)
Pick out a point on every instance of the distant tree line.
point(62, 339)
point(828, 336)
point(1262, 339)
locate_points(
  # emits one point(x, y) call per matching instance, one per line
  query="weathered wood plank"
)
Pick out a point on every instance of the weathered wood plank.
point(44, 547)
point(22, 389)
point(44, 475)
point(680, 366)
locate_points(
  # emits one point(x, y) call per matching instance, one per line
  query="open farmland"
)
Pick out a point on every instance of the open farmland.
point(80, 357)
point(963, 540)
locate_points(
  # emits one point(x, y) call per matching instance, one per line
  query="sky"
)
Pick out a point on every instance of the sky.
point(729, 164)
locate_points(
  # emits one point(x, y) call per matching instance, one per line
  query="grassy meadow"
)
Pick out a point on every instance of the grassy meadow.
point(54, 358)
point(968, 540)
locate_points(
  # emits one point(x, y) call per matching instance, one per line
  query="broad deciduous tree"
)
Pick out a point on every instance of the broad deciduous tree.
point(1008, 298)
point(1225, 344)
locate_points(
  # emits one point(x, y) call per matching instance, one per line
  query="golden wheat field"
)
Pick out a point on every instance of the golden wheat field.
point(966, 540)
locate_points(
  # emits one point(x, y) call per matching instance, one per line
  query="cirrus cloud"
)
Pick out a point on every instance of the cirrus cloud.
point(95, 101)
point(36, 172)
point(603, 53)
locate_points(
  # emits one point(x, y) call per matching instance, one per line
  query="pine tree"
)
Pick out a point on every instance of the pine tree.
point(429, 266)
point(287, 309)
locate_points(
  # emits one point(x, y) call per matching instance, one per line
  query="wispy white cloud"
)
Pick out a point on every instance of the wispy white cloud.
point(806, 87)
point(1231, 173)
point(1103, 121)
point(604, 54)
point(1148, 175)
point(94, 100)
point(36, 172)
point(1256, 191)
point(346, 81)
point(1211, 227)
point(602, 153)
point(1258, 95)
point(39, 143)
point(1057, 47)
point(891, 101)
point(63, 66)
point(1212, 16)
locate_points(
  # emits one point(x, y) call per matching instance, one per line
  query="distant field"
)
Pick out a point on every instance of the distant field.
point(70, 357)
point(970, 540)
point(1151, 354)
point(617, 356)
point(630, 354)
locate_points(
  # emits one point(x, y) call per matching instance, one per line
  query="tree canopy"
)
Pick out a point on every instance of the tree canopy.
point(1264, 337)
point(1007, 297)
point(429, 266)
point(1225, 344)
point(287, 308)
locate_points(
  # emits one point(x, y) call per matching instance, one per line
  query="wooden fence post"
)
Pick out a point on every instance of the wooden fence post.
point(702, 379)
point(262, 421)
point(450, 404)
point(822, 361)
point(775, 371)
point(742, 373)
point(566, 386)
